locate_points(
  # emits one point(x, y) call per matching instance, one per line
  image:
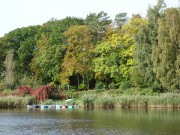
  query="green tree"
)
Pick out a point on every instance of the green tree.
point(23, 41)
point(115, 56)
point(51, 49)
point(121, 19)
point(98, 24)
point(2, 56)
point(144, 40)
point(166, 55)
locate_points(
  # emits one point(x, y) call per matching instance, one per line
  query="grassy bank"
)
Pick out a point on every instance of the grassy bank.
point(15, 101)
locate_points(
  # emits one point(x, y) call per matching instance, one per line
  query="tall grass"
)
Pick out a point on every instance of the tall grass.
point(129, 101)
point(88, 100)
point(15, 101)
point(104, 101)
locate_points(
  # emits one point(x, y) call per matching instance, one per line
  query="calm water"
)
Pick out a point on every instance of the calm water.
point(97, 121)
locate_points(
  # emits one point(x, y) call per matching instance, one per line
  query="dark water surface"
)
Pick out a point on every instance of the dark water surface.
point(93, 121)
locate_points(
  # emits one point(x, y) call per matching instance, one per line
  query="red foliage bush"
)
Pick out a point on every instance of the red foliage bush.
point(43, 93)
point(22, 91)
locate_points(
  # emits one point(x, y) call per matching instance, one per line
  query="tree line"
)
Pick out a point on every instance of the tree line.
point(139, 52)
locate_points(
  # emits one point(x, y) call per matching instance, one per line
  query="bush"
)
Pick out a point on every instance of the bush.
point(112, 85)
point(6, 93)
point(82, 86)
point(64, 87)
point(2, 86)
point(73, 88)
point(22, 91)
point(125, 85)
point(29, 82)
point(100, 85)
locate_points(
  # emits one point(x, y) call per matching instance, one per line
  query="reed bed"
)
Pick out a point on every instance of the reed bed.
point(15, 101)
point(167, 100)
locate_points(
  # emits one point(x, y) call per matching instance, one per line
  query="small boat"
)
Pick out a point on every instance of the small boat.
point(70, 106)
point(44, 106)
point(51, 106)
point(29, 107)
point(58, 106)
point(36, 106)
point(64, 106)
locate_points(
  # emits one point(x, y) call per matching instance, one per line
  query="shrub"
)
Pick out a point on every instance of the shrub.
point(2, 86)
point(22, 91)
point(73, 88)
point(125, 85)
point(82, 86)
point(44, 92)
point(64, 87)
point(112, 85)
point(6, 93)
point(100, 85)
point(29, 82)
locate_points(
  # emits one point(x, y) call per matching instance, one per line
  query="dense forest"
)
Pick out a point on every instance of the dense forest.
point(81, 54)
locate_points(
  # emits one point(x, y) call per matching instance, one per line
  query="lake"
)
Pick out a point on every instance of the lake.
point(90, 121)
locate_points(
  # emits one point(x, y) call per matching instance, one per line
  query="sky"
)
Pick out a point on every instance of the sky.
point(22, 13)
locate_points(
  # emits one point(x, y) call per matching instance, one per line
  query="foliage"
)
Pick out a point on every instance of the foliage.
point(125, 85)
point(2, 56)
point(100, 85)
point(77, 52)
point(78, 58)
point(145, 39)
point(166, 54)
point(22, 91)
point(29, 82)
point(2, 85)
point(98, 24)
point(73, 88)
point(51, 48)
point(121, 19)
point(115, 56)
point(82, 86)
point(6, 92)
point(112, 85)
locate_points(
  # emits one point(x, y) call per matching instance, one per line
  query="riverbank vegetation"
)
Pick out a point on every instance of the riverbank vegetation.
point(129, 60)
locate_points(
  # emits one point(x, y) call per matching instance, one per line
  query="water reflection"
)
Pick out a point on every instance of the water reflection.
point(90, 121)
